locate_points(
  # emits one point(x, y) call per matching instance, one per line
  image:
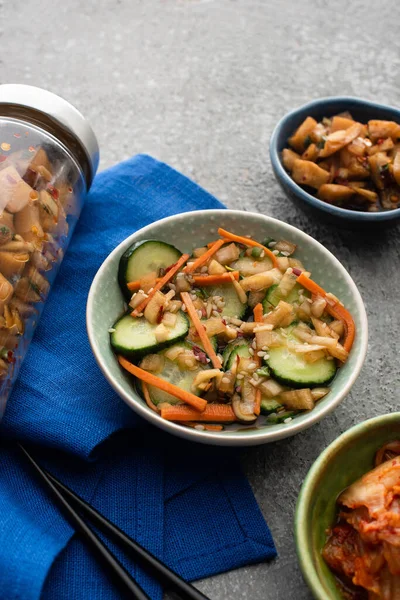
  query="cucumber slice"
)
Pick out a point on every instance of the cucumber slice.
point(248, 265)
point(273, 296)
point(291, 369)
point(144, 258)
point(233, 306)
point(177, 376)
point(134, 337)
point(234, 349)
point(269, 406)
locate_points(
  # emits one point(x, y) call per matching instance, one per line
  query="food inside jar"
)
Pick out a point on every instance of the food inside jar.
point(40, 192)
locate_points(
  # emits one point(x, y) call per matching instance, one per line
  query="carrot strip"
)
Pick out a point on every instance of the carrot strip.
point(188, 397)
point(146, 395)
point(215, 413)
point(134, 286)
point(258, 317)
point(258, 313)
point(204, 257)
point(204, 280)
point(160, 284)
point(212, 243)
point(334, 308)
point(206, 426)
point(247, 242)
point(200, 330)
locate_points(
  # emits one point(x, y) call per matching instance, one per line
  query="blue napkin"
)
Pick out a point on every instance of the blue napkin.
point(187, 503)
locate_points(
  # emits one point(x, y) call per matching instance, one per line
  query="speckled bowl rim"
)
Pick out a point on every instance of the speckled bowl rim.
point(310, 485)
point(228, 438)
point(281, 173)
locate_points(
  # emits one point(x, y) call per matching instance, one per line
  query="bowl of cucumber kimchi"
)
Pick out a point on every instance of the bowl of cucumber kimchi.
point(227, 327)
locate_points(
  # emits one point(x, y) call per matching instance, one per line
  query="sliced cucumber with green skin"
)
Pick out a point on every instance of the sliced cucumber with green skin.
point(248, 265)
point(269, 406)
point(134, 337)
point(182, 378)
point(233, 307)
point(281, 417)
point(143, 258)
point(273, 296)
point(291, 369)
point(240, 349)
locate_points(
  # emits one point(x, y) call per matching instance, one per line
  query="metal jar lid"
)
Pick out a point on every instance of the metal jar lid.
point(58, 117)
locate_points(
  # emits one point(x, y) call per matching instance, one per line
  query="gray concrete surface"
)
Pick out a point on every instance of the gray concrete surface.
point(201, 84)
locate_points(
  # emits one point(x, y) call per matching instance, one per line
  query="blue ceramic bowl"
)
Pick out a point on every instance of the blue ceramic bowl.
point(361, 110)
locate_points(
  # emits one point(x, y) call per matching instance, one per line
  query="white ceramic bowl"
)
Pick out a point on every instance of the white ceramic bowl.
point(193, 229)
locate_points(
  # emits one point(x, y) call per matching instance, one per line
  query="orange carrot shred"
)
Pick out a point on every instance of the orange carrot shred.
point(163, 281)
point(247, 242)
point(146, 395)
point(334, 308)
point(258, 313)
point(201, 260)
point(214, 413)
point(204, 280)
point(186, 299)
point(198, 403)
point(133, 286)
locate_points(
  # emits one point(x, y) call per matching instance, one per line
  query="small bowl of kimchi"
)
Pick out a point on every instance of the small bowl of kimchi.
point(347, 523)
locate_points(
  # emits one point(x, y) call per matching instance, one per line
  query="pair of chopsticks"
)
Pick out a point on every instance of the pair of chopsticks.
point(75, 508)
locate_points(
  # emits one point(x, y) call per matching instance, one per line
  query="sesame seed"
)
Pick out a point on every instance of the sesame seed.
point(141, 291)
point(252, 365)
point(240, 376)
point(288, 420)
point(199, 427)
point(261, 353)
point(183, 307)
point(203, 269)
point(251, 351)
point(276, 252)
point(111, 330)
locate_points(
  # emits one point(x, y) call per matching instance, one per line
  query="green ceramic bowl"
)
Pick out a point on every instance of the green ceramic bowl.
point(193, 229)
point(342, 463)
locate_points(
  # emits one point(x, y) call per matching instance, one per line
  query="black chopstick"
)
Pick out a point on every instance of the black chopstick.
point(164, 575)
point(118, 572)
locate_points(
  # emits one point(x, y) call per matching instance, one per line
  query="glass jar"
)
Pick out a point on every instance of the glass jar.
point(48, 158)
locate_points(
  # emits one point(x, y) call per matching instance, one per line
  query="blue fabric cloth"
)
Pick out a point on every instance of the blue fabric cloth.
point(196, 512)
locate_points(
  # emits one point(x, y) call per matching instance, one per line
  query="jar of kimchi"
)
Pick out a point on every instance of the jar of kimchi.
point(48, 158)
